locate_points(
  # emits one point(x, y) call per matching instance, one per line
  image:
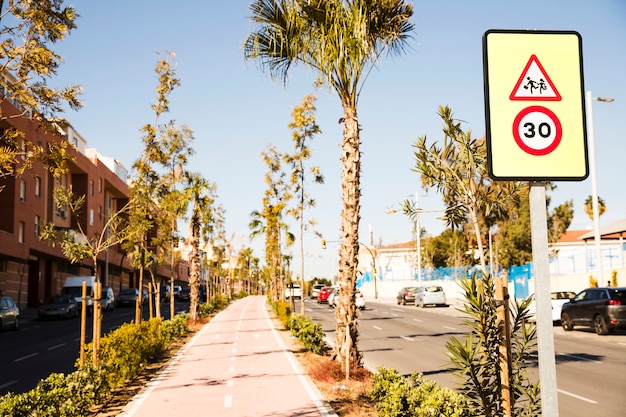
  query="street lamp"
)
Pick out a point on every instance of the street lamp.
point(594, 180)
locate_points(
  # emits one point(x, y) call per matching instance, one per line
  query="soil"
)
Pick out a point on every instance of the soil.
point(347, 398)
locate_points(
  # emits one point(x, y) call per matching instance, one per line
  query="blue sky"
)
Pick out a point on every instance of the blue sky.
point(235, 110)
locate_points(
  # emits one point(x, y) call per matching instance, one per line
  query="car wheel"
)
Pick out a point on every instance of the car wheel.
point(422, 305)
point(600, 325)
point(16, 324)
point(566, 322)
point(403, 301)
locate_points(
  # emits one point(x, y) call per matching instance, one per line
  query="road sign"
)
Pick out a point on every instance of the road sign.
point(534, 105)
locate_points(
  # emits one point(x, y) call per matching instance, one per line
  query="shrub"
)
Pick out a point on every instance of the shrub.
point(416, 396)
point(283, 311)
point(310, 334)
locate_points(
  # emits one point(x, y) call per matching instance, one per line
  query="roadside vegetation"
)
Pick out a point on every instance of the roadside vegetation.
point(124, 354)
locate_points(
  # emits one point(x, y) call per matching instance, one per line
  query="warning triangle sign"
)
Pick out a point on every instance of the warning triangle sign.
point(534, 84)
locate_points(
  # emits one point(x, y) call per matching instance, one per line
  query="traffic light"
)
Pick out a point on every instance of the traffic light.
point(323, 243)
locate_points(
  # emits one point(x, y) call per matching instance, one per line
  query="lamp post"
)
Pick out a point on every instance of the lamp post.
point(594, 180)
point(418, 239)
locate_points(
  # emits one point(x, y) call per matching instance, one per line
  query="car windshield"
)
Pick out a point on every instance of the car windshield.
point(128, 291)
point(434, 289)
point(58, 299)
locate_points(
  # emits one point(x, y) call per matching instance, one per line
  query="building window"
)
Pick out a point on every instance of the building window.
point(20, 232)
point(99, 185)
point(37, 187)
point(90, 217)
point(23, 149)
point(37, 221)
point(22, 190)
point(90, 187)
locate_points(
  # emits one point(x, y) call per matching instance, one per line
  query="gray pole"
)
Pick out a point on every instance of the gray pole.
point(541, 272)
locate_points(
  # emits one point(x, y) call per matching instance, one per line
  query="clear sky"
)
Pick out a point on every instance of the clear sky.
point(235, 110)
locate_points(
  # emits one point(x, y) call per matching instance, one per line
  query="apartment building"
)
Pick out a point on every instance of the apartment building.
point(31, 269)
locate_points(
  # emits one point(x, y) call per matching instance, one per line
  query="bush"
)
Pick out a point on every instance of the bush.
point(416, 396)
point(310, 334)
point(283, 311)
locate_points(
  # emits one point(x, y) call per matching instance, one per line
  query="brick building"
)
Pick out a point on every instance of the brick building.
point(31, 269)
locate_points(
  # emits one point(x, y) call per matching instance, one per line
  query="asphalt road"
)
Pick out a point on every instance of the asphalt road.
point(42, 347)
point(591, 369)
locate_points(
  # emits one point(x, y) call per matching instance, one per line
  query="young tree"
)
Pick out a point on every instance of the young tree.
point(492, 365)
point(342, 40)
point(166, 152)
point(270, 223)
point(27, 63)
point(304, 128)
point(77, 245)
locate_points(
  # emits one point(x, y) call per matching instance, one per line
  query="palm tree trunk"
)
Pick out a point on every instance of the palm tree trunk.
point(345, 312)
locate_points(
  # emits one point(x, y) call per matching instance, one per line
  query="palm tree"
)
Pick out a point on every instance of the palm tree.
point(342, 40)
point(588, 207)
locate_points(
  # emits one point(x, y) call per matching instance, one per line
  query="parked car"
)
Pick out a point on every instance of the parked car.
point(406, 295)
point(60, 305)
point(332, 297)
point(315, 290)
point(177, 289)
point(127, 297)
point(107, 300)
point(293, 290)
point(359, 299)
point(325, 292)
point(429, 295)
point(557, 299)
point(184, 294)
point(604, 309)
point(9, 314)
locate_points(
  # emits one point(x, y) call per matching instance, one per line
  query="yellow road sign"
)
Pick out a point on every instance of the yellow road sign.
point(534, 105)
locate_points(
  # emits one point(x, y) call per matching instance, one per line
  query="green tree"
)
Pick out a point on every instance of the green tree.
point(167, 150)
point(491, 365)
point(77, 245)
point(341, 40)
point(205, 216)
point(304, 128)
point(270, 223)
point(27, 64)
point(449, 249)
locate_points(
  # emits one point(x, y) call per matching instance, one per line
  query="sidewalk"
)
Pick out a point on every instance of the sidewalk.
point(237, 365)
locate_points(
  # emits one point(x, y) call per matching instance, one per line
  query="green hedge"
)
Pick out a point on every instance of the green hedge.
point(123, 354)
point(416, 396)
point(309, 333)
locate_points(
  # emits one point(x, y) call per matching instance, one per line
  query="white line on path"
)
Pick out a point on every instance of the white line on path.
point(8, 384)
point(410, 339)
point(26, 357)
point(57, 346)
point(577, 396)
point(228, 401)
point(449, 328)
point(377, 328)
point(417, 320)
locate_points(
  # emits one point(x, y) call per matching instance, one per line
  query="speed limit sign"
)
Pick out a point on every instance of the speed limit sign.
point(537, 130)
point(534, 105)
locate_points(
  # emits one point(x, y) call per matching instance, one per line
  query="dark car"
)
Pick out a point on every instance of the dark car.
point(9, 314)
point(184, 294)
point(61, 306)
point(127, 297)
point(406, 295)
point(604, 309)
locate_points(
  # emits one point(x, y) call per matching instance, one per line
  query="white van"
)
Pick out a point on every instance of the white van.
point(74, 286)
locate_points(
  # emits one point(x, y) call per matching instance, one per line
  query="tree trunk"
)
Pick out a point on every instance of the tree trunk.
point(345, 312)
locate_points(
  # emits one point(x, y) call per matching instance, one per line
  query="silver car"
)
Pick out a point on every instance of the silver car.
point(9, 314)
point(430, 295)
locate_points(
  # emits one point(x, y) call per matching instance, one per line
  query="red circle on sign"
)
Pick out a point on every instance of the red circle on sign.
point(542, 130)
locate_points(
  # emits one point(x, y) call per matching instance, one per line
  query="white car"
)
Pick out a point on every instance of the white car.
point(430, 294)
point(293, 291)
point(557, 299)
point(359, 299)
